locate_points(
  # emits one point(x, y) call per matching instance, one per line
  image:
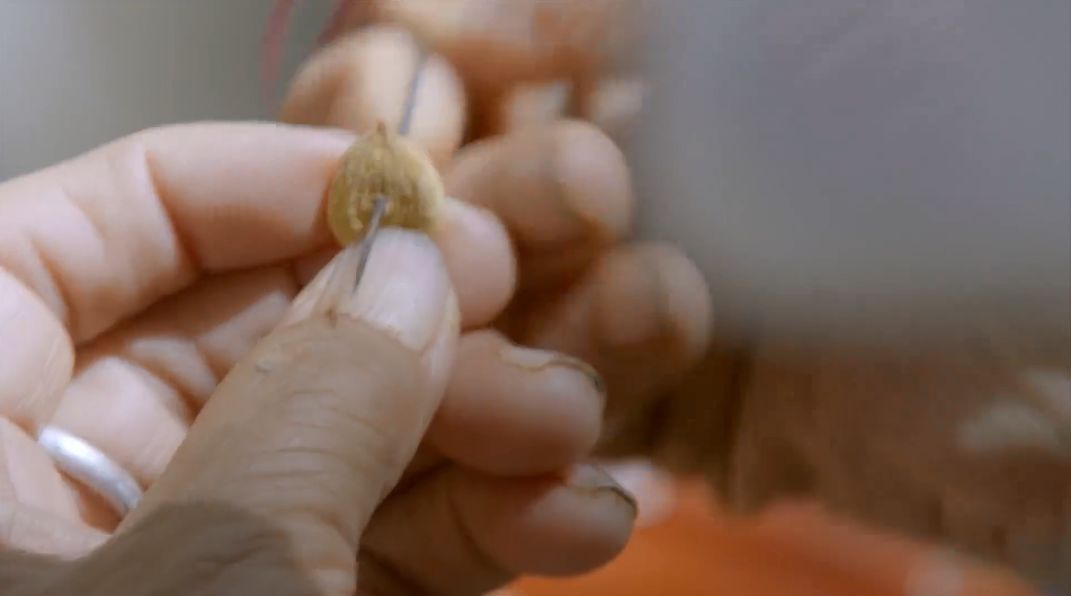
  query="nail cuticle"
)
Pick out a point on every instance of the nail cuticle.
point(616, 492)
point(539, 360)
point(593, 481)
point(627, 497)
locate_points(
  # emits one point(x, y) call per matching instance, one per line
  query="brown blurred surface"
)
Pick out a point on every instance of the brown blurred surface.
point(790, 551)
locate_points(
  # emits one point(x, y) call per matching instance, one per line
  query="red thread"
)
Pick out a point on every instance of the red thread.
point(337, 21)
point(272, 44)
point(275, 36)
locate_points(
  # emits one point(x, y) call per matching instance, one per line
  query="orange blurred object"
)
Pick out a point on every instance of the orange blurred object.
point(788, 551)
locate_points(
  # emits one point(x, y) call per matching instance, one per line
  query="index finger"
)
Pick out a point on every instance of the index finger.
point(563, 191)
point(102, 236)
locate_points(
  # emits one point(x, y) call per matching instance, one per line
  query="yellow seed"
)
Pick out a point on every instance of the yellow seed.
point(383, 164)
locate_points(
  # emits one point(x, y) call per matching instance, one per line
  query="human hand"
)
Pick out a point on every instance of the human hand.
point(134, 277)
point(638, 312)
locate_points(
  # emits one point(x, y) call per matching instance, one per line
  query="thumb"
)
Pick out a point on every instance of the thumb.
point(314, 427)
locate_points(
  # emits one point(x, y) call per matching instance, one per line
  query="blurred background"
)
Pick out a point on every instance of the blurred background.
point(75, 74)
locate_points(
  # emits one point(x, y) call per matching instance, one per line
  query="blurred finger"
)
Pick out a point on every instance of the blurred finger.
point(519, 40)
point(541, 410)
point(365, 77)
point(480, 259)
point(641, 317)
point(530, 105)
point(499, 44)
point(32, 530)
point(562, 191)
point(614, 106)
point(460, 532)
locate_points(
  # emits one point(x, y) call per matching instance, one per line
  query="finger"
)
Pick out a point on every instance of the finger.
point(365, 78)
point(103, 236)
point(36, 356)
point(38, 512)
point(316, 424)
point(478, 255)
point(563, 192)
point(28, 477)
point(614, 106)
point(530, 105)
point(29, 529)
point(541, 410)
point(496, 44)
point(138, 388)
point(480, 260)
point(466, 31)
point(641, 317)
point(461, 532)
point(499, 45)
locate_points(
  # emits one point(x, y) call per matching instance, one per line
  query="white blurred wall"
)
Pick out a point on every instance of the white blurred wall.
point(77, 73)
point(844, 167)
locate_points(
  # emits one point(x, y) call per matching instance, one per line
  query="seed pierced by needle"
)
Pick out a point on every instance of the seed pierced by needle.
point(384, 180)
point(383, 164)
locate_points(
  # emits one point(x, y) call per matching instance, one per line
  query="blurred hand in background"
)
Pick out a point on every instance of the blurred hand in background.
point(921, 434)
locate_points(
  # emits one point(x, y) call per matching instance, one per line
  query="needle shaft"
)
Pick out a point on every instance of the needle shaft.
point(411, 94)
point(369, 238)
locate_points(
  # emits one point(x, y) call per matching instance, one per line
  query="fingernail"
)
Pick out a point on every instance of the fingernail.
point(404, 290)
point(634, 313)
point(649, 485)
point(594, 178)
point(537, 360)
point(594, 480)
